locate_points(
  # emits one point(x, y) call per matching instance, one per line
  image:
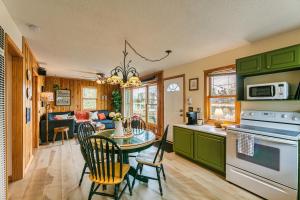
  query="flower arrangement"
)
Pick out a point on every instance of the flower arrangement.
point(116, 116)
point(135, 117)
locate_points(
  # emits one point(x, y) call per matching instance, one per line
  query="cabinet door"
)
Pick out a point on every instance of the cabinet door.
point(210, 150)
point(282, 59)
point(184, 142)
point(249, 65)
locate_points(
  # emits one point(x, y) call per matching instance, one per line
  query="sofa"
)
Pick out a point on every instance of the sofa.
point(53, 123)
point(83, 116)
point(75, 118)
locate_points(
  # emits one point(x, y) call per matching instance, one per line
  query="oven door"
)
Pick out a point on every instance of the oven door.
point(274, 159)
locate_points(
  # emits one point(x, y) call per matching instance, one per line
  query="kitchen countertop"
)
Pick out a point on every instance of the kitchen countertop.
point(204, 128)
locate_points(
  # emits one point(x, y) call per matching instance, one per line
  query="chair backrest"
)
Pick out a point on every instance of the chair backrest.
point(102, 155)
point(85, 130)
point(161, 146)
point(138, 124)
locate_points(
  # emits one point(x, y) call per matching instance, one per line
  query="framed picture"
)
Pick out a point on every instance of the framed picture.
point(63, 98)
point(193, 84)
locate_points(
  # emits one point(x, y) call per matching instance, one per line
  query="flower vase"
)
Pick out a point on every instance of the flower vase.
point(118, 128)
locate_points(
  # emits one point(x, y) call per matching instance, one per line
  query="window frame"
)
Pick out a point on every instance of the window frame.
point(82, 98)
point(146, 102)
point(207, 96)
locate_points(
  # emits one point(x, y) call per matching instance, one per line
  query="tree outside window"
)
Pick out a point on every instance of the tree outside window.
point(89, 98)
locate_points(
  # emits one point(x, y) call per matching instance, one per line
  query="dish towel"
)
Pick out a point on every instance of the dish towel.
point(246, 144)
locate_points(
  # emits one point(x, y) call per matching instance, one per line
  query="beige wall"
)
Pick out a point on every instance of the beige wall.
point(9, 25)
point(195, 69)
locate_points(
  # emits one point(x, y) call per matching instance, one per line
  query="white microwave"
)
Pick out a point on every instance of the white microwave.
point(277, 90)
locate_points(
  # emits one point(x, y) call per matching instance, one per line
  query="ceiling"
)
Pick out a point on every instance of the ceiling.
point(88, 35)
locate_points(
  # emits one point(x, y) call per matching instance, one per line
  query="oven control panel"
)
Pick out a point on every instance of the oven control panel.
point(271, 116)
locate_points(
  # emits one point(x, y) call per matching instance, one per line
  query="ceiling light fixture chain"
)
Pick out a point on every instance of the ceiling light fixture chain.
point(130, 76)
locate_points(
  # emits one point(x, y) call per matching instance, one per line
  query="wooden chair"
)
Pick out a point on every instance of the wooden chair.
point(154, 161)
point(138, 124)
point(84, 131)
point(105, 162)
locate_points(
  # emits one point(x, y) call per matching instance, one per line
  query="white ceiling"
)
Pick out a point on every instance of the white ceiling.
point(89, 34)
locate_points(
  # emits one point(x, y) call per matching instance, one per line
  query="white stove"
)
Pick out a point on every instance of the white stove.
point(272, 172)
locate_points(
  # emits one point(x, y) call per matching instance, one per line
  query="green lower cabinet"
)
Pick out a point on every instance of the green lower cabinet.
point(210, 150)
point(204, 148)
point(184, 141)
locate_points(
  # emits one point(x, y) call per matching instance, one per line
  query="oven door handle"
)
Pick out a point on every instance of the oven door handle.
point(269, 139)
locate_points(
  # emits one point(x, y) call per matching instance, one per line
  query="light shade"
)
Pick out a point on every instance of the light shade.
point(219, 113)
point(114, 79)
point(47, 96)
point(134, 81)
point(100, 81)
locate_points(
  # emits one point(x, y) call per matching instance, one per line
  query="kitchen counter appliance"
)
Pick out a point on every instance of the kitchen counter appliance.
point(277, 90)
point(272, 171)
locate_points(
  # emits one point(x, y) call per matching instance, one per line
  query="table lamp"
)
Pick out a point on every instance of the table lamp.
point(47, 97)
point(219, 115)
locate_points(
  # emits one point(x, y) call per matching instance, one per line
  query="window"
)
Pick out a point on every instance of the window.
point(220, 98)
point(139, 102)
point(127, 103)
point(173, 87)
point(89, 98)
point(143, 102)
point(152, 104)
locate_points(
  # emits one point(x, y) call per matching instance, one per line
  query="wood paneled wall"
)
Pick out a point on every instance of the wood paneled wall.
point(75, 86)
point(30, 63)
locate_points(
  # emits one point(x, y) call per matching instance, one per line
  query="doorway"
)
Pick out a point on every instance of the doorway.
point(14, 109)
point(174, 98)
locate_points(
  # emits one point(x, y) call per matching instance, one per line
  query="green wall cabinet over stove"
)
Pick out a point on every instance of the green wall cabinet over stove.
point(249, 65)
point(283, 59)
point(204, 148)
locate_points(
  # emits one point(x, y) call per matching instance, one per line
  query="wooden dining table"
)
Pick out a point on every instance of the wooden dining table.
point(139, 141)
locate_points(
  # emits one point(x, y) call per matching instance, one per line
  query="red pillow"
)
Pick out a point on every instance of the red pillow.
point(82, 115)
point(101, 116)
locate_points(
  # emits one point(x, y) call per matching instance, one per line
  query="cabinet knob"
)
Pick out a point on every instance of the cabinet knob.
point(268, 66)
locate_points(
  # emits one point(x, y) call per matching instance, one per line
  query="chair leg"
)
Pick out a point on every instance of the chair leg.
point(141, 168)
point(91, 191)
point(136, 174)
point(116, 193)
point(129, 185)
point(163, 171)
point(82, 174)
point(159, 182)
point(54, 137)
point(62, 137)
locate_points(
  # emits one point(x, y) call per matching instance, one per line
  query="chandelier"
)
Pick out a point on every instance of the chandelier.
point(125, 74)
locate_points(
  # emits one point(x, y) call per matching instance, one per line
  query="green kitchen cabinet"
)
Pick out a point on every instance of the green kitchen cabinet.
point(210, 150)
point(282, 59)
point(249, 65)
point(184, 141)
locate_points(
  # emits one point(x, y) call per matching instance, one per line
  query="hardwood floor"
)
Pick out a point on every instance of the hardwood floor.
point(55, 173)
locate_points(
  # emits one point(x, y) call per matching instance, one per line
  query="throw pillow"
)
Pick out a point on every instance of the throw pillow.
point(61, 117)
point(101, 116)
point(93, 115)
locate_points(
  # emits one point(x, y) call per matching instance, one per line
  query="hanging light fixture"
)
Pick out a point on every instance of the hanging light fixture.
point(126, 75)
point(100, 78)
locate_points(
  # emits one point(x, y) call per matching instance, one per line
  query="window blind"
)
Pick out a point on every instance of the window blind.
point(3, 176)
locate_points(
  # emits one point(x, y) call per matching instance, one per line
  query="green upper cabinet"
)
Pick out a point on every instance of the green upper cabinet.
point(273, 61)
point(184, 141)
point(282, 59)
point(210, 150)
point(249, 65)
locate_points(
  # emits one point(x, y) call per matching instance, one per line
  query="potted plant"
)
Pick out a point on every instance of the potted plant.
point(116, 100)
